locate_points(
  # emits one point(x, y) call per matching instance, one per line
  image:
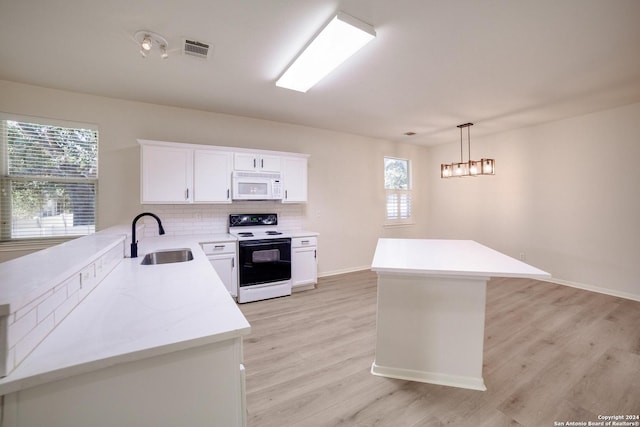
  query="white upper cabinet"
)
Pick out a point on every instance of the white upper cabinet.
point(212, 176)
point(257, 162)
point(294, 178)
point(167, 174)
point(175, 173)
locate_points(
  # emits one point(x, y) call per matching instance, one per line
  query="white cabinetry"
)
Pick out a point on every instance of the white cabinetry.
point(175, 173)
point(212, 176)
point(179, 173)
point(257, 162)
point(210, 374)
point(304, 262)
point(167, 174)
point(222, 256)
point(294, 178)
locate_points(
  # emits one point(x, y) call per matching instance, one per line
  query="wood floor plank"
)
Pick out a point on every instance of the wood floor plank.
point(551, 353)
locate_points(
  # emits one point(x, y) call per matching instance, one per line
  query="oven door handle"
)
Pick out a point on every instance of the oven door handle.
point(263, 242)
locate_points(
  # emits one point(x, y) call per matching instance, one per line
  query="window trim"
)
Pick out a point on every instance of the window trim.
point(398, 221)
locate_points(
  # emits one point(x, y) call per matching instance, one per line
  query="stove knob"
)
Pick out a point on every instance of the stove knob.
point(271, 219)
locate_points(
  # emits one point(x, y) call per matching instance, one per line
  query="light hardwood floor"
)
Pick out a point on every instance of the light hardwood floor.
point(552, 354)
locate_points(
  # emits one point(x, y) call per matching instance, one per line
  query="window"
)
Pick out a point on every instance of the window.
point(397, 183)
point(49, 178)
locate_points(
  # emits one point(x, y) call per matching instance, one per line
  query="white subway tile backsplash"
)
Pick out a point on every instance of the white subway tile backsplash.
point(46, 307)
point(73, 284)
point(183, 220)
point(22, 326)
point(31, 340)
point(30, 324)
point(31, 305)
point(66, 307)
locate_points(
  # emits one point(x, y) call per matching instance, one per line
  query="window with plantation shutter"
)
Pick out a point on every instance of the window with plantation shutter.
point(397, 183)
point(49, 178)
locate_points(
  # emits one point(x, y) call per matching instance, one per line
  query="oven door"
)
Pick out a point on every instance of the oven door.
point(264, 261)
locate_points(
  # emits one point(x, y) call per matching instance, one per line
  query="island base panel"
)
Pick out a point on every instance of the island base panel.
point(431, 329)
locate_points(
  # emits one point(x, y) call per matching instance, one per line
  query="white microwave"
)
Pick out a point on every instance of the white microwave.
point(256, 185)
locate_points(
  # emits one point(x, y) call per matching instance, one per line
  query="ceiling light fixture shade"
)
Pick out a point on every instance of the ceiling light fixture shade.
point(343, 36)
point(470, 167)
point(148, 40)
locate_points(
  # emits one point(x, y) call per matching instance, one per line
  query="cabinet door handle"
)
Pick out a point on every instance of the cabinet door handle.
point(228, 191)
point(286, 194)
point(304, 242)
point(218, 247)
point(233, 263)
point(262, 163)
point(186, 194)
point(254, 163)
point(315, 254)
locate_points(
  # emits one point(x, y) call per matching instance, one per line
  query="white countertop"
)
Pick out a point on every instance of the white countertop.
point(303, 233)
point(137, 311)
point(448, 258)
point(19, 283)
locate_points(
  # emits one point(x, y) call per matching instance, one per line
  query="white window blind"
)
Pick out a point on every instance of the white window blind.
point(398, 206)
point(49, 179)
point(397, 183)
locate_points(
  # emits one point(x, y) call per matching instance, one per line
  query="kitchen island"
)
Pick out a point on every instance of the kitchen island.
point(431, 308)
point(150, 345)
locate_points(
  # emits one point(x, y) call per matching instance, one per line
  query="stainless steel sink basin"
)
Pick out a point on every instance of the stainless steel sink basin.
point(167, 257)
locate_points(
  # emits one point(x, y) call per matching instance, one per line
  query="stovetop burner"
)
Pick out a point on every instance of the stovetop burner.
point(255, 226)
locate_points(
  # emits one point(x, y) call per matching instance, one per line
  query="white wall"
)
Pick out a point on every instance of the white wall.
point(566, 194)
point(346, 200)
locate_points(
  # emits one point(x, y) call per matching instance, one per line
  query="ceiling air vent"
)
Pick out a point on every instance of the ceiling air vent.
point(196, 48)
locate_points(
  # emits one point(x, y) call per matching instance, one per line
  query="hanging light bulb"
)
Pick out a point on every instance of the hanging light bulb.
point(488, 167)
point(146, 43)
point(163, 52)
point(473, 167)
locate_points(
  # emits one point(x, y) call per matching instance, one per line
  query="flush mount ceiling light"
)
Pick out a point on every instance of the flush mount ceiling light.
point(343, 36)
point(470, 167)
point(148, 40)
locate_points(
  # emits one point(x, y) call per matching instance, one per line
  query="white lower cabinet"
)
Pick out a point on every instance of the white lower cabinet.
point(200, 386)
point(223, 258)
point(304, 262)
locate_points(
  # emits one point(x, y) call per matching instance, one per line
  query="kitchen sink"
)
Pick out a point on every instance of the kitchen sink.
point(167, 257)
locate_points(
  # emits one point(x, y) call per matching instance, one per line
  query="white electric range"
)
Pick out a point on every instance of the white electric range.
point(264, 257)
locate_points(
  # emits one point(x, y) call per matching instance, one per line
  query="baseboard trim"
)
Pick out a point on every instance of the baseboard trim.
point(605, 291)
point(344, 271)
point(583, 286)
point(470, 383)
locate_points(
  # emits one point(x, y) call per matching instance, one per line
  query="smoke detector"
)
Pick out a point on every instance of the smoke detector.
point(196, 48)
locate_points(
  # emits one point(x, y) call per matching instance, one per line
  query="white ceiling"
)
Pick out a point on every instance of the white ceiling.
point(502, 64)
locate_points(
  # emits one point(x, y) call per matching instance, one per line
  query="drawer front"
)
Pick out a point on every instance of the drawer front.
point(298, 242)
point(219, 248)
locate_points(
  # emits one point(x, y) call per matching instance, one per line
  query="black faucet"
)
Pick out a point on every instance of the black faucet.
point(134, 242)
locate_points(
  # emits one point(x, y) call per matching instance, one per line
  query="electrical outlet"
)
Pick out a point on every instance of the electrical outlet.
point(523, 256)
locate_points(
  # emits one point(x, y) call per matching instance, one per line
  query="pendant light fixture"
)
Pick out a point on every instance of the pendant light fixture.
point(470, 167)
